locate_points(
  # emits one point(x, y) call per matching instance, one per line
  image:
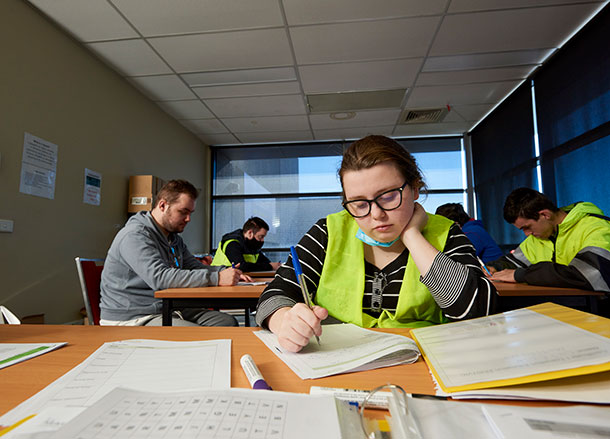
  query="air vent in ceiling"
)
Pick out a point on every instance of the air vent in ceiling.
point(424, 115)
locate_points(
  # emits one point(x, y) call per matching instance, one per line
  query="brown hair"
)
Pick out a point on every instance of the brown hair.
point(255, 223)
point(526, 203)
point(373, 150)
point(171, 191)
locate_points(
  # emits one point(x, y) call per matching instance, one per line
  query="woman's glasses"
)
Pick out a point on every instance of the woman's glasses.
point(388, 200)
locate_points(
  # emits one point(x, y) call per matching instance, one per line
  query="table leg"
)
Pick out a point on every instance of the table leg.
point(166, 312)
point(247, 317)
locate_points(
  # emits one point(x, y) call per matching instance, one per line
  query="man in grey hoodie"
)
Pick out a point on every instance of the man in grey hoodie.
point(148, 254)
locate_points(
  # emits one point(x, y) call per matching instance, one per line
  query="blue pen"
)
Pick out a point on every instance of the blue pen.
point(301, 279)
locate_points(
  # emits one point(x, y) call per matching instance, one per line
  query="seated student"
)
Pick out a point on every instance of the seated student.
point(243, 247)
point(148, 254)
point(382, 262)
point(484, 244)
point(567, 247)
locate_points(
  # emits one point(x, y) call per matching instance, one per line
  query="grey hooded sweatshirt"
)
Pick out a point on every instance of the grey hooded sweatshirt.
point(140, 261)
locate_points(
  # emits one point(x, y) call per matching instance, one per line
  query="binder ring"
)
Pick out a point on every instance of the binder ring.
point(402, 403)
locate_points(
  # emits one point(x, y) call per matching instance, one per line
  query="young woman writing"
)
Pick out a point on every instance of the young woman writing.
point(381, 262)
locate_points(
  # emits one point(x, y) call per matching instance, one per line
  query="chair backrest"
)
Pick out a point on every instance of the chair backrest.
point(90, 276)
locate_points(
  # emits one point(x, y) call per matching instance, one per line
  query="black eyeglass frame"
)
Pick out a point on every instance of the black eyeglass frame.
point(374, 200)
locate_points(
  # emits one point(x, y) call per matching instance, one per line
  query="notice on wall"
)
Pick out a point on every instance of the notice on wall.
point(38, 167)
point(93, 187)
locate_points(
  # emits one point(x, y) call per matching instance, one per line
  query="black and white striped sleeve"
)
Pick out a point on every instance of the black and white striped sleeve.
point(456, 280)
point(284, 290)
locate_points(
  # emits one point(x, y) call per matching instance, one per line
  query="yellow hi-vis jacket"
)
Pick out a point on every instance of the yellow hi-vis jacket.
point(341, 286)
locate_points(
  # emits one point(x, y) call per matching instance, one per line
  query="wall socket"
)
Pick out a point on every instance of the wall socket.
point(6, 226)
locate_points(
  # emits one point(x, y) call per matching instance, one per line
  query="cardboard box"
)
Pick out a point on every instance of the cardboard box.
point(142, 189)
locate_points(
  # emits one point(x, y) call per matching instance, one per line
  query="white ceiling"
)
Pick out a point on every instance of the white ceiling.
point(238, 71)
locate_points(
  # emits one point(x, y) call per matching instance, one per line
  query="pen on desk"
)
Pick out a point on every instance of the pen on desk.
point(484, 267)
point(301, 279)
point(253, 374)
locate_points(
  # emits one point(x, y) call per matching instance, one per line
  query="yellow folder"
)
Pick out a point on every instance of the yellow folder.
point(508, 338)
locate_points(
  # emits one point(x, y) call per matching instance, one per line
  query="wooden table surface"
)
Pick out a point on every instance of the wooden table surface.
point(521, 289)
point(20, 381)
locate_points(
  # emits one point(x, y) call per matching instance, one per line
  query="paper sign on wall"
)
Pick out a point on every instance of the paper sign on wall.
point(38, 167)
point(93, 187)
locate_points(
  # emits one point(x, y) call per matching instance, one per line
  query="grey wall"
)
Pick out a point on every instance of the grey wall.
point(55, 89)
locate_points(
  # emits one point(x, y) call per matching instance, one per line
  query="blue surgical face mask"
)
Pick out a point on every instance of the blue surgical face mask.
point(370, 241)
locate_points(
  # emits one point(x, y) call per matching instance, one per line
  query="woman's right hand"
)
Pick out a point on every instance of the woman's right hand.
point(295, 326)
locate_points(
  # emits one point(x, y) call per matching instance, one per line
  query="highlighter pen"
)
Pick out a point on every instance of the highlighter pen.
point(301, 279)
point(484, 267)
point(253, 374)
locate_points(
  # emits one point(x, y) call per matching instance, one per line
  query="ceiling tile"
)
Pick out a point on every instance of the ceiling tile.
point(361, 119)
point(275, 136)
point(91, 20)
point(484, 5)
point(431, 129)
point(471, 76)
point(191, 109)
point(218, 139)
point(372, 75)
point(257, 106)
point(324, 11)
point(509, 29)
point(472, 112)
point(402, 38)
point(453, 116)
point(261, 89)
point(163, 87)
point(204, 126)
point(158, 17)
point(225, 50)
point(486, 60)
point(262, 124)
point(130, 57)
point(439, 96)
point(246, 76)
point(352, 133)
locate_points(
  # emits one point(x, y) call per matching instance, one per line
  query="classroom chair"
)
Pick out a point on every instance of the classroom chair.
point(90, 276)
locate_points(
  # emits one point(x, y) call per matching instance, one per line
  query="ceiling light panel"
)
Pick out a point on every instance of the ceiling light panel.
point(130, 57)
point(471, 76)
point(509, 29)
point(207, 126)
point(245, 76)
point(483, 5)
point(264, 89)
point(370, 75)
point(353, 101)
point(491, 92)
point(87, 20)
point(267, 124)
point(275, 136)
point(257, 106)
point(160, 17)
point(485, 60)
point(225, 50)
point(360, 41)
point(163, 87)
point(323, 11)
point(192, 109)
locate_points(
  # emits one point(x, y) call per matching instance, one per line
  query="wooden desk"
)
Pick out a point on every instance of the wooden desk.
point(23, 380)
point(269, 274)
point(231, 296)
point(509, 289)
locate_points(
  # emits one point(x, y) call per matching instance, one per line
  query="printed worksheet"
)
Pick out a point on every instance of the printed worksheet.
point(344, 348)
point(209, 414)
point(137, 364)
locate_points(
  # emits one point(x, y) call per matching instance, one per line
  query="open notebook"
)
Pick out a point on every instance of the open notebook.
point(344, 348)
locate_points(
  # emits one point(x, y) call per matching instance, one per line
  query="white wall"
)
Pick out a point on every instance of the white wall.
point(53, 88)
